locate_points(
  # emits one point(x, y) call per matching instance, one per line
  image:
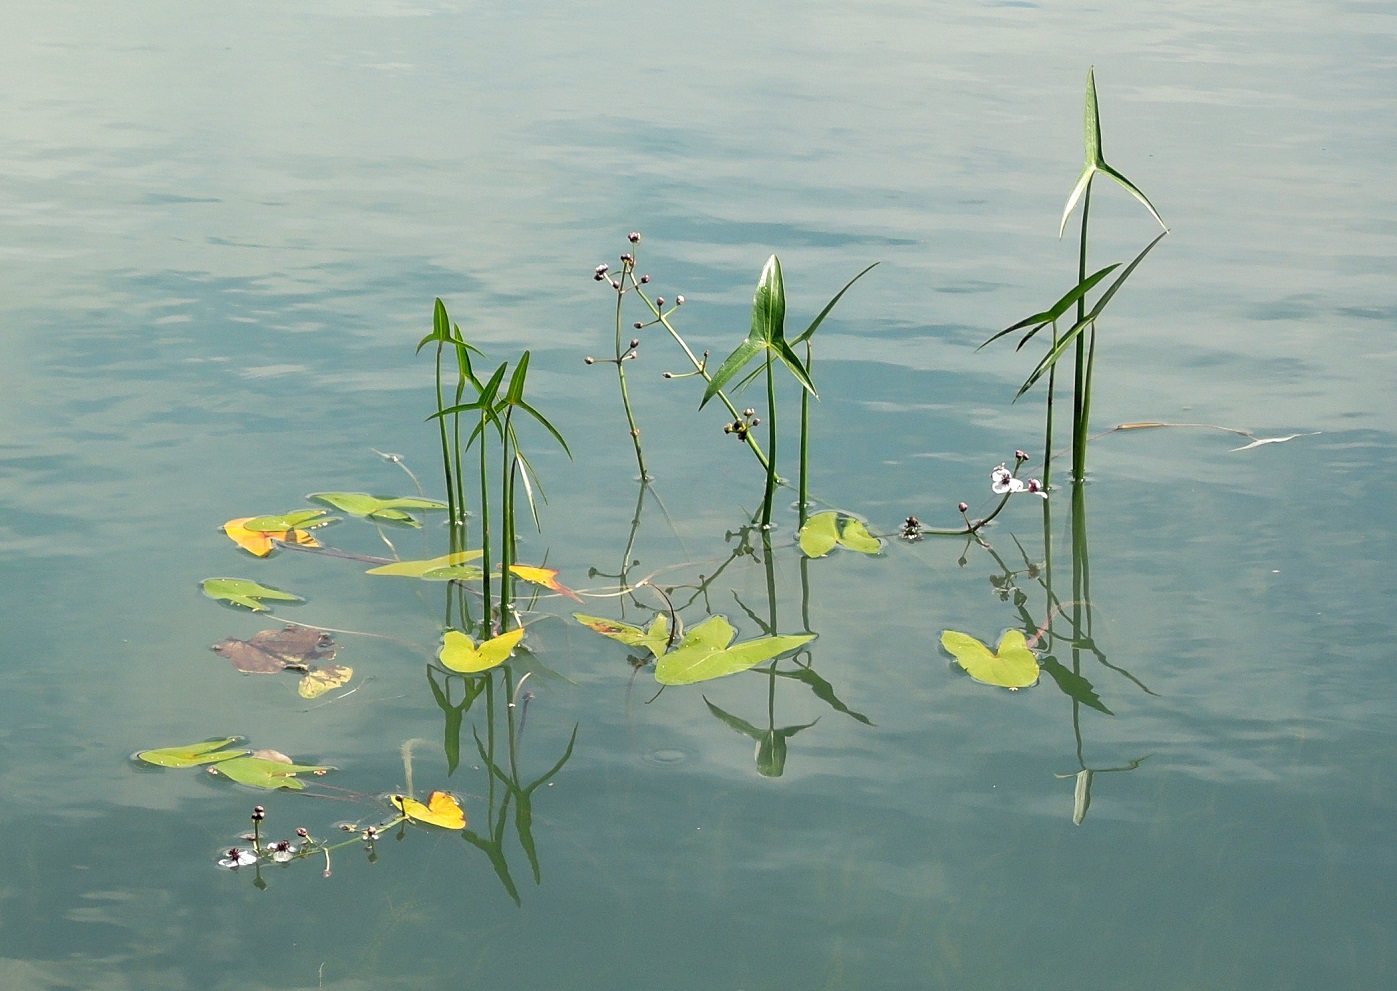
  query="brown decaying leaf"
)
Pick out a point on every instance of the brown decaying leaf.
point(271, 651)
point(275, 755)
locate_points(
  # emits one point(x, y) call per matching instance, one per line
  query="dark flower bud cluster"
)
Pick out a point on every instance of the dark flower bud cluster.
point(743, 424)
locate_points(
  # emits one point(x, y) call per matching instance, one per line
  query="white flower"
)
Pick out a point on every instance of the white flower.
point(238, 857)
point(1002, 482)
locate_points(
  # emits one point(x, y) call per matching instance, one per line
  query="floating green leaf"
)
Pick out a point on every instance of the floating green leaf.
point(371, 507)
point(193, 754)
point(704, 653)
point(448, 567)
point(1011, 666)
point(305, 519)
point(242, 592)
point(656, 639)
point(264, 772)
point(825, 531)
point(460, 653)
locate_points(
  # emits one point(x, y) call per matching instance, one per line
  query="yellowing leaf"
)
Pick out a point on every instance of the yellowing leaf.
point(655, 639)
point(547, 577)
point(259, 542)
point(441, 809)
point(317, 681)
point(825, 531)
point(444, 568)
point(460, 653)
point(1012, 666)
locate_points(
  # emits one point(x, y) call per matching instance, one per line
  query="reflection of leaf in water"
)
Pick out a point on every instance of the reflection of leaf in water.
point(824, 691)
point(825, 531)
point(461, 654)
point(771, 743)
point(704, 653)
point(1073, 685)
point(275, 650)
point(193, 754)
point(441, 809)
point(262, 542)
point(243, 592)
point(1011, 666)
point(317, 681)
point(655, 639)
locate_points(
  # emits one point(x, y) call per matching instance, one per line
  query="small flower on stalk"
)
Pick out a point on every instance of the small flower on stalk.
point(911, 528)
point(282, 851)
point(633, 237)
point(238, 857)
point(1003, 482)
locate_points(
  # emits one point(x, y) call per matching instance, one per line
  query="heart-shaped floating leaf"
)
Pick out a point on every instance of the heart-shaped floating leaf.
point(547, 577)
point(264, 772)
point(441, 809)
point(317, 681)
point(825, 531)
point(704, 653)
point(376, 508)
point(307, 519)
point(275, 650)
point(1011, 666)
point(242, 592)
point(262, 542)
point(193, 754)
point(460, 653)
point(655, 639)
point(445, 568)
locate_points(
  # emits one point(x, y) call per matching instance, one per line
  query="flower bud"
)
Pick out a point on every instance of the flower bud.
point(589, 360)
point(645, 280)
point(633, 237)
point(659, 301)
point(678, 300)
point(603, 269)
point(963, 507)
point(1021, 455)
point(637, 325)
point(635, 343)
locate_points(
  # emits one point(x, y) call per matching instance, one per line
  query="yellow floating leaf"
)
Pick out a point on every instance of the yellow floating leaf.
point(317, 681)
point(441, 809)
point(547, 577)
point(460, 653)
point(260, 542)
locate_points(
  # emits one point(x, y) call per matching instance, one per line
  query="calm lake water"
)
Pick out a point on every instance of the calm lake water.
point(222, 230)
